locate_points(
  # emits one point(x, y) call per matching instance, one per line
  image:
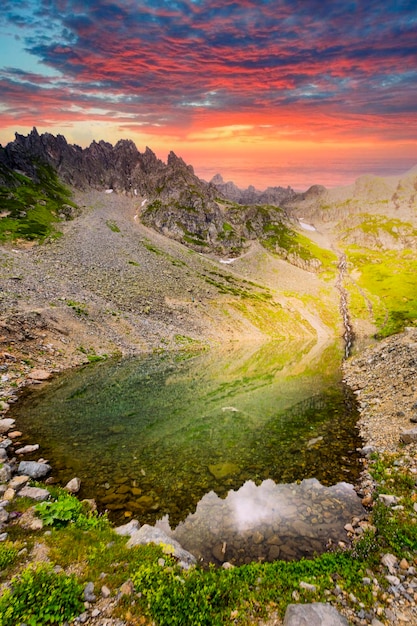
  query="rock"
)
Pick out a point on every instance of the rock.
point(28, 449)
point(404, 564)
point(6, 424)
point(393, 580)
point(4, 516)
point(367, 500)
point(127, 530)
point(4, 406)
point(316, 614)
point(308, 587)
point(39, 375)
point(127, 589)
point(17, 482)
point(105, 592)
point(409, 436)
point(5, 443)
point(148, 534)
point(3, 536)
point(3, 455)
point(388, 500)
point(9, 494)
point(221, 470)
point(35, 493)
point(73, 486)
point(14, 434)
point(5, 473)
point(391, 562)
point(89, 595)
point(34, 469)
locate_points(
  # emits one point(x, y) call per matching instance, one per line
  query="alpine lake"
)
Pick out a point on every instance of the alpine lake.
point(244, 453)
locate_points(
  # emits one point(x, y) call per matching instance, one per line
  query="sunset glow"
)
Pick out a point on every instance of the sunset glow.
point(266, 92)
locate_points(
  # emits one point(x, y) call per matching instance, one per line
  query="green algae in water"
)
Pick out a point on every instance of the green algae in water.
point(150, 436)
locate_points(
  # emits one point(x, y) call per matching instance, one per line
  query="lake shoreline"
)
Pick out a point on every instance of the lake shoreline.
point(380, 422)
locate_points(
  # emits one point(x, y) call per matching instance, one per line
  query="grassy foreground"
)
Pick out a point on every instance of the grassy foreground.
point(84, 541)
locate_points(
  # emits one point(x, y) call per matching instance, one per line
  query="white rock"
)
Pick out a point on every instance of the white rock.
point(128, 529)
point(28, 449)
point(6, 424)
point(73, 486)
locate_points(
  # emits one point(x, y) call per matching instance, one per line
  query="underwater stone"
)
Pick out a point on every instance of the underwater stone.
point(220, 470)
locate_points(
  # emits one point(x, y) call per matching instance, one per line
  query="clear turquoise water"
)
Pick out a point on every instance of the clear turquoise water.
point(151, 436)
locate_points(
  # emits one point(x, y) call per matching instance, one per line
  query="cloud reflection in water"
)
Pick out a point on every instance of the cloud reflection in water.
point(268, 521)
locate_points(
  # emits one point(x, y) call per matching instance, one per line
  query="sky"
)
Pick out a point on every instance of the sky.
point(265, 92)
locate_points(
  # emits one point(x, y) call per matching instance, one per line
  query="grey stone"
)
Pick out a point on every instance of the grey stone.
point(3, 455)
point(35, 493)
point(149, 534)
point(33, 469)
point(127, 530)
point(3, 536)
point(387, 499)
point(316, 614)
point(4, 516)
point(6, 424)
point(6, 443)
point(89, 595)
point(5, 473)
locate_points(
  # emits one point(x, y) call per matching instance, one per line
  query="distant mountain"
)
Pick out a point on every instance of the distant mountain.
point(275, 196)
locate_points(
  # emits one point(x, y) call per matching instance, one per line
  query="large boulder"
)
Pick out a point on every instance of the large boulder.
point(316, 614)
point(34, 469)
point(149, 534)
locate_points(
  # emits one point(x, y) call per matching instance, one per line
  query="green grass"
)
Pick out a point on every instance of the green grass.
point(166, 594)
point(113, 226)
point(282, 240)
point(389, 280)
point(31, 209)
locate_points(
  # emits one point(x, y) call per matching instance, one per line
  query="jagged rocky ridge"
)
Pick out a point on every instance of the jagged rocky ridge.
point(178, 204)
point(276, 196)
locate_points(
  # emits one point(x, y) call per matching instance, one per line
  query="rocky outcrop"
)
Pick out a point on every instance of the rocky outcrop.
point(173, 200)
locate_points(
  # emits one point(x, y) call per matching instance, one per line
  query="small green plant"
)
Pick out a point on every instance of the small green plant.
point(92, 355)
point(40, 596)
point(61, 511)
point(78, 307)
point(113, 226)
point(8, 554)
point(65, 509)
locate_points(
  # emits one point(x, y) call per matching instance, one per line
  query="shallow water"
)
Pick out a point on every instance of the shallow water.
point(151, 436)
